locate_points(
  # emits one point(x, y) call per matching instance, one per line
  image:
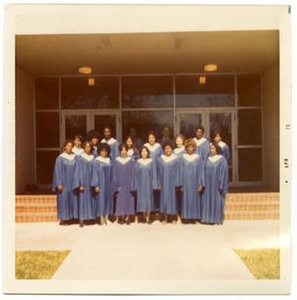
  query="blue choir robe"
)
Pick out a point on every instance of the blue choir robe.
point(168, 179)
point(114, 147)
point(94, 152)
point(202, 147)
point(216, 180)
point(225, 150)
point(191, 177)
point(155, 151)
point(102, 177)
point(83, 177)
point(123, 175)
point(133, 153)
point(145, 181)
point(77, 151)
point(179, 151)
point(67, 205)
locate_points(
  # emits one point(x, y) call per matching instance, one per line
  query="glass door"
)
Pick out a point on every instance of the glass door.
point(100, 119)
point(187, 121)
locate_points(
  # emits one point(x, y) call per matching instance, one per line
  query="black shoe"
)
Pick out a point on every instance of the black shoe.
point(81, 224)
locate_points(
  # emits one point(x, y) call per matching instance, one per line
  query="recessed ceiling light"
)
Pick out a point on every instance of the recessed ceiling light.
point(85, 70)
point(91, 81)
point(210, 67)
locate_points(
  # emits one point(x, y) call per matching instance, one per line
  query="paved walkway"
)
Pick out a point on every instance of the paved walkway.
point(158, 251)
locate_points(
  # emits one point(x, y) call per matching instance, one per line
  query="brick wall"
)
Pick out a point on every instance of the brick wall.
point(239, 206)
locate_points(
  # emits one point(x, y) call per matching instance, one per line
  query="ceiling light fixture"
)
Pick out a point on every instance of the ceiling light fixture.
point(85, 70)
point(210, 67)
point(202, 79)
point(91, 81)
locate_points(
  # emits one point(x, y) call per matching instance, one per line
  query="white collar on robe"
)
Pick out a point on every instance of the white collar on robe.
point(215, 158)
point(103, 159)
point(179, 150)
point(200, 141)
point(145, 162)
point(191, 157)
point(87, 157)
point(77, 151)
point(152, 148)
point(109, 142)
point(130, 152)
point(222, 144)
point(68, 156)
point(168, 158)
point(123, 160)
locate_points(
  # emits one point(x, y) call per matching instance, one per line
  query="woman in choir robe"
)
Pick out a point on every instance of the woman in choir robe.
point(216, 187)
point(179, 151)
point(102, 182)
point(217, 138)
point(145, 181)
point(63, 184)
point(168, 181)
point(82, 184)
point(112, 142)
point(123, 176)
point(77, 148)
point(192, 183)
point(93, 137)
point(132, 150)
point(202, 144)
point(155, 152)
point(180, 145)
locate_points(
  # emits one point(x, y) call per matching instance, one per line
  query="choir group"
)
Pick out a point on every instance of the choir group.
point(161, 180)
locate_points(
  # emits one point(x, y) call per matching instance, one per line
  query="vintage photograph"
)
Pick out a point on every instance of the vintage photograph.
point(147, 154)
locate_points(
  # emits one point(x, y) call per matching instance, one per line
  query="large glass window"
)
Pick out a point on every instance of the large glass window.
point(249, 127)
point(249, 90)
point(250, 164)
point(45, 162)
point(75, 124)
point(77, 93)
point(46, 93)
point(147, 92)
point(144, 121)
point(47, 129)
point(218, 90)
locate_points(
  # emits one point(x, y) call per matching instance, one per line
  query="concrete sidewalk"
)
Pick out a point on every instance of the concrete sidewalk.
point(158, 251)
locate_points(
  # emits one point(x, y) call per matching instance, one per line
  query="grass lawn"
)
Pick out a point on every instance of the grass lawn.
point(263, 263)
point(38, 264)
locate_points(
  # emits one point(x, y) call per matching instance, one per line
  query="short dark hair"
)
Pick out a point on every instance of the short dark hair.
point(151, 132)
point(168, 143)
point(146, 148)
point(79, 137)
point(201, 128)
point(122, 146)
point(92, 134)
point(218, 148)
point(217, 131)
point(87, 143)
point(103, 146)
point(107, 127)
point(67, 142)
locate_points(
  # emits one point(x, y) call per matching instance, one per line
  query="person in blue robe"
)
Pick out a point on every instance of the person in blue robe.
point(144, 183)
point(112, 142)
point(77, 148)
point(102, 182)
point(202, 144)
point(137, 141)
point(82, 184)
point(166, 136)
point(216, 187)
point(93, 136)
point(67, 205)
point(192, 183)
point(131, 148)
point(123, 175)
point(179, 151)
point(218, 138)
point(155, 152)
point(168, 181)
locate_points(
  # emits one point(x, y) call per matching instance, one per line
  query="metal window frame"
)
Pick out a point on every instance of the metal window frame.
point(176, 112)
